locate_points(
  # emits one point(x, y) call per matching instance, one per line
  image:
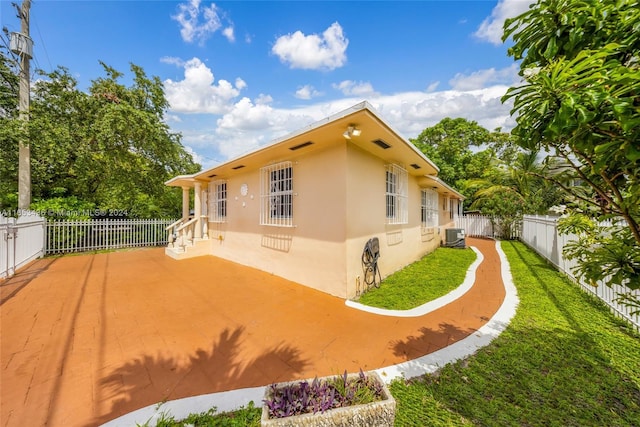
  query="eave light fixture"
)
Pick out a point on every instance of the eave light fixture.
point(351, 131)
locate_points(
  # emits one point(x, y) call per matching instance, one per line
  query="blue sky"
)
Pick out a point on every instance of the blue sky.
point(239, 74)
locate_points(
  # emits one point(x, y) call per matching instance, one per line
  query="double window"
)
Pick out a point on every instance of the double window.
point(276, 194)
point(397, 182)
point(218, 201)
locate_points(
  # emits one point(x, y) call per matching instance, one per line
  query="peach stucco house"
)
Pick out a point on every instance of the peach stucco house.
point(304, 207)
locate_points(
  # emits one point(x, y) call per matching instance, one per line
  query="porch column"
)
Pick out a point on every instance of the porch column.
point(185, 202)
point(197, 210)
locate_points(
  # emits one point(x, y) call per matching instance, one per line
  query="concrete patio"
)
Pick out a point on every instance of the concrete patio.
point(88, 338)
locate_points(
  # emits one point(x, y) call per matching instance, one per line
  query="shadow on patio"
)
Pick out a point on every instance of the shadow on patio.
point(151, 379)
point(96, 336)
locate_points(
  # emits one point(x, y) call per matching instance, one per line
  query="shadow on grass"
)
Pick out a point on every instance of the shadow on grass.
point(153, 379)
point(556, 364)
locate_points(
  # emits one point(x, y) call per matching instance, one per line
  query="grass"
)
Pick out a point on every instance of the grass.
point(431, 277)
point(564, 360)
point(248, 416)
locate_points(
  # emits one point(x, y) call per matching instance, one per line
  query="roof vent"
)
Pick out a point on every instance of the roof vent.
point(380, 143)
point(237, 167)
point(211, 176)
point(299, 146)
point(415, 166)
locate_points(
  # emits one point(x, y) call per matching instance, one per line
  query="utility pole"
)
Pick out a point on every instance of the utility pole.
point(22, 45)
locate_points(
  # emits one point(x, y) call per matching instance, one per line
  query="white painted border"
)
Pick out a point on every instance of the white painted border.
point(430, 306)
point(469, 345)
point(230, 400)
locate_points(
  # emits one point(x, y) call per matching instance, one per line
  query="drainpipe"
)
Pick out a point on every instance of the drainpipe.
point(197, 210)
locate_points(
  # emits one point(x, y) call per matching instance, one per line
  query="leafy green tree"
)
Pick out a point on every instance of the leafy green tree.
point(449, 144)
point(508, 190)
point(108, 148)
point(8, 130)
point(580, 102)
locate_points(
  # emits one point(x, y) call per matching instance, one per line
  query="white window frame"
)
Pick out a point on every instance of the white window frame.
point(218, 201)
point(276, 195)
point(396, 199)
point(428, 209)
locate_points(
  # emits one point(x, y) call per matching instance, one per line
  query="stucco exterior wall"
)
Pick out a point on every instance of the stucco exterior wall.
point(399, 244)
point(339, 204)
point(313, 251)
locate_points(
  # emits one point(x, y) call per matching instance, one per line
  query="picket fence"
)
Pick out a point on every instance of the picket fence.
point(29, 236)
point(98, 234)
point(485, 226)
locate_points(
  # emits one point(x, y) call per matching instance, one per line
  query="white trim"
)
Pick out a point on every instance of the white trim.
point(396, 197)
point(430, 306)
point(276, 195)
point(218, 200)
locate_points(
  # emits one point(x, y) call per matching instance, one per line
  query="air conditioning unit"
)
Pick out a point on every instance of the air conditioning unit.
point(454, 238)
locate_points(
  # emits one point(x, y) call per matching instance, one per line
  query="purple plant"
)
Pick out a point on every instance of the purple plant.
point(322, 395)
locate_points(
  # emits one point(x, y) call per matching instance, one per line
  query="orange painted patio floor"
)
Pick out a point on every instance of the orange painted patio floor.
point(88, 338)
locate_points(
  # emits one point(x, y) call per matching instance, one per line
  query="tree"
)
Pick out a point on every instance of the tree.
point(449, 144)
point(508, 190)
point(580, 102)
point(109, 148)
point(8, 129)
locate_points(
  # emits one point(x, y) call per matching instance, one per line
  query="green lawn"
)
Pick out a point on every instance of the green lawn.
point(433, 276)
point(563, 361)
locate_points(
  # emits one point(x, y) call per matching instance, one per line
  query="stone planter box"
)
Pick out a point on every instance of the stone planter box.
point(380, 413)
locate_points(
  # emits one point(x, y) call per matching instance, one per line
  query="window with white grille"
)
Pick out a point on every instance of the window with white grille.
point(429, 209)
point(276, 194)
point(218, 201)
point(396, 194)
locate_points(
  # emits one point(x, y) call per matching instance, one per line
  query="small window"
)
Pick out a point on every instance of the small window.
point(452, 207)
point(218, 201)
point(396, 194)
point(277, 195)
point(429, 209)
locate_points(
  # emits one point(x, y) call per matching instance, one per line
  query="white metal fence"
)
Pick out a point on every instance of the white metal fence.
point(484, 226)
point(96, 234)
point(541, 234)
point(21, 241)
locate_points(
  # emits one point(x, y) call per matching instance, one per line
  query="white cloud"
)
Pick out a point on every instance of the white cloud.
point(313, 52)
point(172, 60)
point(228, 33)
point(198, 92)
point(307, 92)
point(196, 157)
point(251, 124)
point(491, 28)
point(351, 88)
point(198, 23)
point(483, 78)
point(433, 86)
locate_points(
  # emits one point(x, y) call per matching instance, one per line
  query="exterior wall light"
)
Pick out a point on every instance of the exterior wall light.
point(351, 131)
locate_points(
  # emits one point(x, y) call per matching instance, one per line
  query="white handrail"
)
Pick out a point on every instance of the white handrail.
point(173, 224)
point(186, 224)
